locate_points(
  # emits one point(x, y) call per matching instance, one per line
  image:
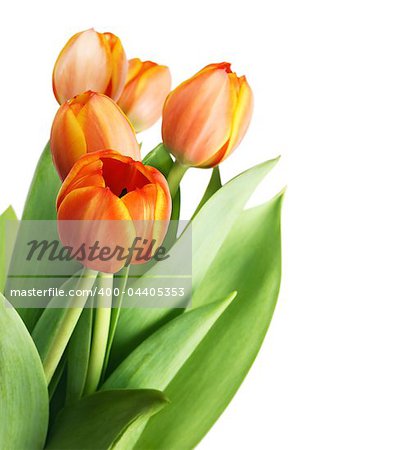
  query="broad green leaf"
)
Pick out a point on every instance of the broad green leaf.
point(78, 354)
point(23, 391)
point(209, 230)
point(156, 361)
point(215, 183)
point(99, 420)
point(7, 215)
point(40, 205)
point(45, 185)
point(250, 262)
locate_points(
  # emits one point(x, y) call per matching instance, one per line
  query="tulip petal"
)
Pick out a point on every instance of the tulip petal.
point(145, 93)
point(92, 203)
point(242, 116)
point(142, 205)
point(197, 116)
point(123, 175)
point(118, 67)
point(89, 167)
point(164, 200)
point(67, 140)
point(105, 126)
point(134, 67)
point(83, 64)
point(101, 218)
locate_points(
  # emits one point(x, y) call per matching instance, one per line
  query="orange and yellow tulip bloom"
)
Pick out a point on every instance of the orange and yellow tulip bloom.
point(206, 117)
point(115, 199)
point(90, 61)
point(87, 123)
point(146, 89)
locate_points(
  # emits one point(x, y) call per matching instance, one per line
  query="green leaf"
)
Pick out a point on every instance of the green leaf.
point(40, 205)
point(215, 183)
point(99, 420)
point(160, 158)
point(58, 376)
point(23, 390)
point(7, 215)
point(156, 361)
point(250, 262)
point(209, 230)
point(78, 354)
point(45, 185)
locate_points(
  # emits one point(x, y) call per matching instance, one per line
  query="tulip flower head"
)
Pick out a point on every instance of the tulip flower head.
point(115, 199)
point(146, 89)
point(87, 123)
point(90, 61)
point(206, 117)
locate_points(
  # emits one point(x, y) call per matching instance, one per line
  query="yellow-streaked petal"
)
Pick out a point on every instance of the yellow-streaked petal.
point(67, 140)
point(242, 116)
point(144, 94)
point(105, 126)
point(197, 117)
point(118, 67)
point(87, 167)
point(101, 218)
point(134, 67)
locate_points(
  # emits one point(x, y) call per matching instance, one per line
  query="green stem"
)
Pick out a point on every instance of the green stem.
point(101, 327)
point(123, 276)
point(175, 177)
point(66, 328)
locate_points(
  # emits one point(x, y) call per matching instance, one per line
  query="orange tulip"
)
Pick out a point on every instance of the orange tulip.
point(90, 61)
point(145, 92)
point(114, 200)
point(206, 117)
point(88, 123)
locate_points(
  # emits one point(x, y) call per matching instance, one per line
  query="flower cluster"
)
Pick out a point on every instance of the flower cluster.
point(105, 100)
point(89, 357)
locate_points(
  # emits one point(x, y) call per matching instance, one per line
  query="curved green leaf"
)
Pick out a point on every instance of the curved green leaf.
point(23, 391)
point(156, 361)
point(40, 205)
point(250, 262)
point(7, 215)
point(215, 183)
point(45, 185)
point(99, 420)
point(209, 230)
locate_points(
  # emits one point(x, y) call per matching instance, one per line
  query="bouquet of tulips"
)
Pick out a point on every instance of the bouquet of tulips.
point(121, 325)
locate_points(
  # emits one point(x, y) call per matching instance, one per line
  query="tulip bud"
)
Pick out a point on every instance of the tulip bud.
point(114, 200)
point(90, 61)
point(87, 123)
point(206, 117)
point(146, 89)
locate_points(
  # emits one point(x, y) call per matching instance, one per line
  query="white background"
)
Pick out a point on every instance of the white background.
point(333, 88)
